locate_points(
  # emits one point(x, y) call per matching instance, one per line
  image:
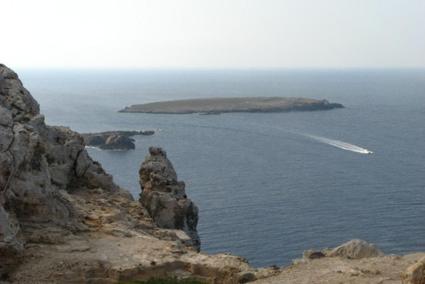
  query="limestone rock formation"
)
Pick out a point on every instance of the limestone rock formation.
point(415, 274)
point(356, 249)
point(353, 249)
point(39, 166)
point(164, 196)
point(113, 140)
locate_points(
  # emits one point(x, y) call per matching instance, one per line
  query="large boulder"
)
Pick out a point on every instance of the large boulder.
point(164, 196)
point(356, 249)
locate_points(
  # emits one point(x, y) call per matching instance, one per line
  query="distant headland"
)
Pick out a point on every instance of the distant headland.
point(237, 104)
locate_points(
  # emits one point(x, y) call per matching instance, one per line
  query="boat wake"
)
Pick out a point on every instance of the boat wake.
point(335, 143)
point(340, 144)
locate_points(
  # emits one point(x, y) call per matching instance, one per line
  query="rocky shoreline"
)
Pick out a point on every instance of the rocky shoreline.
point(238, 104)
point(64, 220)
point(114, 140)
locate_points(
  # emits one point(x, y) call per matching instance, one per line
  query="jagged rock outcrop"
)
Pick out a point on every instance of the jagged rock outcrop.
point(164, 196)
point(113, 140)
point(39, 166)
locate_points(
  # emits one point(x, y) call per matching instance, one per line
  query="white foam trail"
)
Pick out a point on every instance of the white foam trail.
point(93, 147)
point(340, 144)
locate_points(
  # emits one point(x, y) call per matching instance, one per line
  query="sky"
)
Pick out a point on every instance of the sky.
point(212, 33)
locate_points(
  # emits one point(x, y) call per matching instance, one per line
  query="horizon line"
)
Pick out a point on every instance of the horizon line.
point(168, 68)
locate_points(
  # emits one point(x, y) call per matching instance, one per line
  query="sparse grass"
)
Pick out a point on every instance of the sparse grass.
point(165, 281)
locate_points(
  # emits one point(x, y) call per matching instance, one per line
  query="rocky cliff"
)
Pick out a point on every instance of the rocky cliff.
point(64, 220)
point(40, 166)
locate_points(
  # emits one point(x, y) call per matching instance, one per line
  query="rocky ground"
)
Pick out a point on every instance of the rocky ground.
point(389, 269)
point(64, 220)
point(353, 262)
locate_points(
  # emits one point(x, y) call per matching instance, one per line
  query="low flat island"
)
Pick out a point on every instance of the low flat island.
point(239, 104)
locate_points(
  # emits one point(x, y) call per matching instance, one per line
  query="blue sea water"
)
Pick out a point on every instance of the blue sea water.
point(265, 190)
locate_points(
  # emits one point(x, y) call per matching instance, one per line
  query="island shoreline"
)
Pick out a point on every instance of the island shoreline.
point(232, 105)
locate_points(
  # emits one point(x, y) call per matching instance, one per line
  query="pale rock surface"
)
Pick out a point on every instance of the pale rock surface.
point(120, 243)
point(340, 270)
point(355, 249)
point(415, 274)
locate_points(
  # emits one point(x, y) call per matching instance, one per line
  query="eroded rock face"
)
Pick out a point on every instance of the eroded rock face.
point(164, 196)
point(39, 166)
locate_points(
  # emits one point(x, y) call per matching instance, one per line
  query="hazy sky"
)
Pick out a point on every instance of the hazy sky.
point(213, 33)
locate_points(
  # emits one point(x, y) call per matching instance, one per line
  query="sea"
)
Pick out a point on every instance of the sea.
point(268, 185)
